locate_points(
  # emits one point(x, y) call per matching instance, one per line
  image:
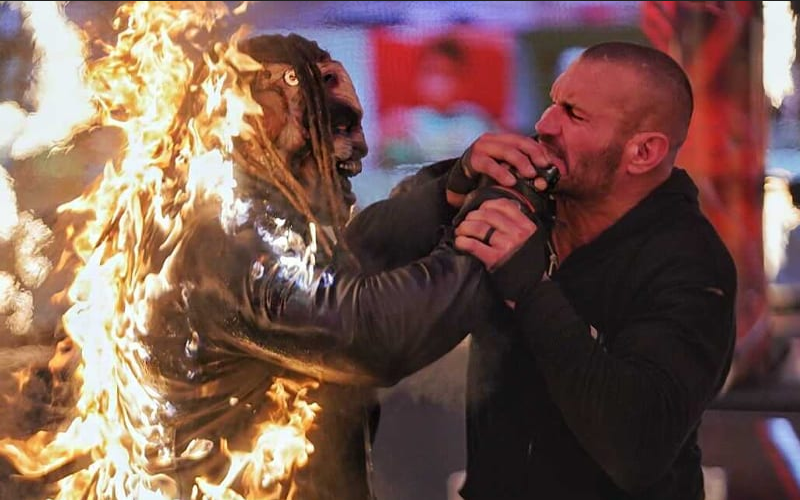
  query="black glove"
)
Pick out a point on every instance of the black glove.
point(537, 205)
point(526, 268)
point(458, 180)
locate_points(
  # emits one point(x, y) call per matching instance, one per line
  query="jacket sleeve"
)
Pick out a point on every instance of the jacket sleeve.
point(632, 406)
point(390, 324)
point(384, 322)
point(405, 226)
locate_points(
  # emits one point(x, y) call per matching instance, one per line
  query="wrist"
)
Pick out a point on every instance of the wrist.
point(454, 199)
point(461, 180)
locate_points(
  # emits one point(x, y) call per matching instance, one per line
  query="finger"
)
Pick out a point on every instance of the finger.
point(510, 210)
point(484, 253)
point(509, 233)
point(507, 154)
point(536, 152)
point(492, 255)
point(485, 233)
point(472, 228)
point(484, 163)
point(487, 216)
point(540, 184)
point(493, 152)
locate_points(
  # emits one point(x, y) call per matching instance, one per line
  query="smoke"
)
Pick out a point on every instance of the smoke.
point(442, 383)
point(23, 266)
point(62, 107)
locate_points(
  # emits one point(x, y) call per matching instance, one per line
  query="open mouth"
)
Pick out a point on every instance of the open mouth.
point(345, 171)
point(348, 168)
point(344, 122)
point(556, 157)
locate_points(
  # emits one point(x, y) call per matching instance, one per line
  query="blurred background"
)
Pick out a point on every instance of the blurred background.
point(432, 76)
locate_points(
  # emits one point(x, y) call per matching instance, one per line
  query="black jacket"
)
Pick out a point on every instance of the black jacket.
point(246, 312)
point(594, 387)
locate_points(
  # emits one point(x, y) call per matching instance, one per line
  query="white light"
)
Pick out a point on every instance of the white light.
point(779, 53)
point(783, 436)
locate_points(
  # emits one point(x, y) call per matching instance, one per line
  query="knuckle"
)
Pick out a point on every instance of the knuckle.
point(489, 204)
point(518, 158)
point(528, 227)
point(518, 234)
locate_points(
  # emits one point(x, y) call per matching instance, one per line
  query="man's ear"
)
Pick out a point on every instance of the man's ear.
point(646, 151)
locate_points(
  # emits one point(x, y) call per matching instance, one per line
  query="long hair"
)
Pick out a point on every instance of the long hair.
point(303, 55)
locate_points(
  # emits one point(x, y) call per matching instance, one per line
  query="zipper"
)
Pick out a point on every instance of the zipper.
point(553, 266)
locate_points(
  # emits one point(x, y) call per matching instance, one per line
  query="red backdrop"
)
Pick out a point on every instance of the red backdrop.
point(719, 45)
point(488, 75)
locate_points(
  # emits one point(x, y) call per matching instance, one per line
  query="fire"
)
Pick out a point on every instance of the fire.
point(62, 102)
point(281, 446)
point(779, 50)
point(148, 85)
point(780, 217)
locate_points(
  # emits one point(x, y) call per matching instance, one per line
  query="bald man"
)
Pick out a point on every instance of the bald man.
point(593, 383)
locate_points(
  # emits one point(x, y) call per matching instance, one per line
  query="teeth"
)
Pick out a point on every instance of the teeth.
point(349, 166)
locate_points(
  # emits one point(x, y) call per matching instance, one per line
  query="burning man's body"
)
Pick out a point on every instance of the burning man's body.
point(256, 303)
point(278, 321)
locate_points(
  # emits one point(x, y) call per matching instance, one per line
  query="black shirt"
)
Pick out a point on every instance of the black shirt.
point(594, 387)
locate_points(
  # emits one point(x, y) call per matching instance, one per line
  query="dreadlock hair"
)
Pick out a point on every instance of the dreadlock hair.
point(303, 55)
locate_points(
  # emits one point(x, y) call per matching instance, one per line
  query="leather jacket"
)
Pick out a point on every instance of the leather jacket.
point(250, 305)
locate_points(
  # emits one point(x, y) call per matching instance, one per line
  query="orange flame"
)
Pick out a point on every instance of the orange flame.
point(171, 160)
point(281, 447)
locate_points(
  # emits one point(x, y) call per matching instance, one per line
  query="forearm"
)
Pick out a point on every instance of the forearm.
point(391, 323)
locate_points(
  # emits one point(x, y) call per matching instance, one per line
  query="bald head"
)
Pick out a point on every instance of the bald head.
point(664, 100)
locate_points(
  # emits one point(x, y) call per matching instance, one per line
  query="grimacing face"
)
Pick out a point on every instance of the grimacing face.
point(581, 127)
point(277, 89)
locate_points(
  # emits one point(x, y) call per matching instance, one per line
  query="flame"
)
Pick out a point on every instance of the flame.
point(779, 50)
point(780, 217)
point(25, 237)
point(62, 102)
point(281, 447)
point(175, 155)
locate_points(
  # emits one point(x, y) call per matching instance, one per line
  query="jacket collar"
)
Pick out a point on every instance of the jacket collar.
point(678, 192)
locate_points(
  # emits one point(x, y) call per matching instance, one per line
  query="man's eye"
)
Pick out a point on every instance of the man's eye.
point(571, 112)
point(261, 81)
point(290, 77)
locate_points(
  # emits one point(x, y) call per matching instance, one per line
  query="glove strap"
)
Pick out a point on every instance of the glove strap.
point(458, 181)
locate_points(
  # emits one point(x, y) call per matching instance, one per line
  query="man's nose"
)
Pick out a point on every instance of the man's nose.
point(549, 123)
point(360, 148)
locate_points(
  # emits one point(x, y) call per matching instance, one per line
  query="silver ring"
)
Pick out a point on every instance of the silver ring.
point(487, 238)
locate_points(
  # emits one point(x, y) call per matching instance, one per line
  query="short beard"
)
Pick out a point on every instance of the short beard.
point(597, 175)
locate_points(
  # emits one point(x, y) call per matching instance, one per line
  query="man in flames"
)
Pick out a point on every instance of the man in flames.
point(245, 334)
point(243, 316)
